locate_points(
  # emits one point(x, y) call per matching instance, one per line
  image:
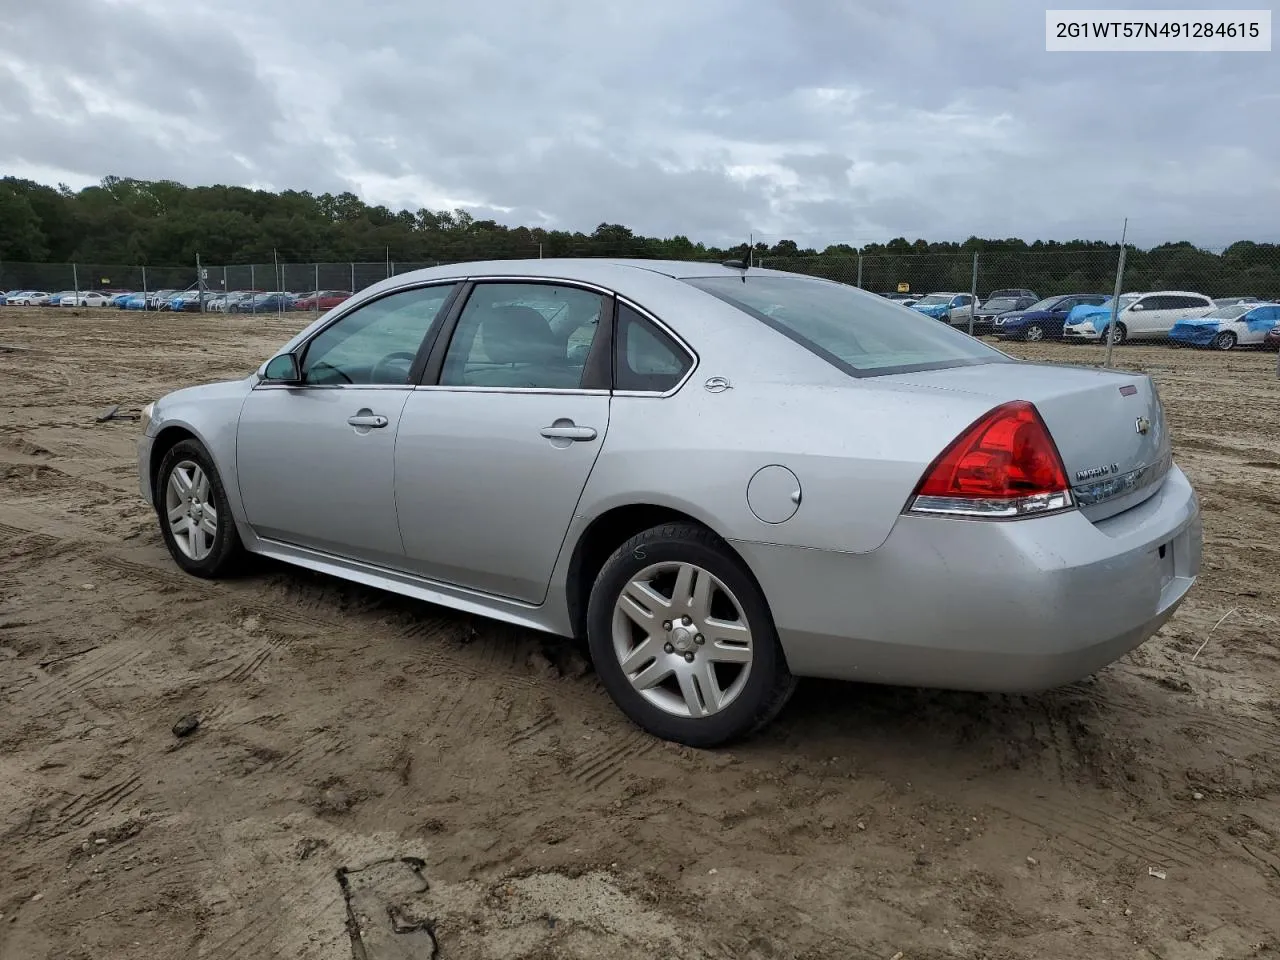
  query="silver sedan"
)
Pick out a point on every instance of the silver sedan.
point(723, 478)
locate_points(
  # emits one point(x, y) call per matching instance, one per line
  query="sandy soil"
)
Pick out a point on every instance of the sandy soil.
point(376, 778)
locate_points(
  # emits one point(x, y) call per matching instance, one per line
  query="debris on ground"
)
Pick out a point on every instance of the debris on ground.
point(186, 725)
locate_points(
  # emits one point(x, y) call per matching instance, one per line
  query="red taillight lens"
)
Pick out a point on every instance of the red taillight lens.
point(1005, 465)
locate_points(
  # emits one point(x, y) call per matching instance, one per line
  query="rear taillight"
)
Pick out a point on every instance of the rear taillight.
point(1004, 466)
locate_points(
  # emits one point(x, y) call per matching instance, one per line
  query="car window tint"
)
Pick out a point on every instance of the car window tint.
point(375, 343)
point(645, 357)
point(523, 335)
point(858, 333)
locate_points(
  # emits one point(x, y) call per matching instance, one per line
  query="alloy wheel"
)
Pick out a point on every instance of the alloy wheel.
point(190, 511)
point(682, 639)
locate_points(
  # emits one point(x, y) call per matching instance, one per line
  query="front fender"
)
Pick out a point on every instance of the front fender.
point(211, 414)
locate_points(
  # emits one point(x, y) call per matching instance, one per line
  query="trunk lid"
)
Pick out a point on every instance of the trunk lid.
point(1109, 426)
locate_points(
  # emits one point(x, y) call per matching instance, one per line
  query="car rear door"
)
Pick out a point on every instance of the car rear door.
point(1255, 324)
point(316, 460)
point(496, 445)
point(1146, 318)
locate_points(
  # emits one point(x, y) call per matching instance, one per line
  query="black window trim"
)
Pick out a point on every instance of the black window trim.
point(420, 358)
point(434, 366)
point(663, 331)
point(848, 369)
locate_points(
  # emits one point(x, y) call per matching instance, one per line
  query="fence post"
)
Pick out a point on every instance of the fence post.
point(1115, 300)
point(317, 286)
point(353, 277)
point(75, 282)
point(973, 292)
point(859, 269)
point(253, 289)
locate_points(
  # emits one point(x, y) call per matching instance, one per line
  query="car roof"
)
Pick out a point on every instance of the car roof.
point(1165, 293)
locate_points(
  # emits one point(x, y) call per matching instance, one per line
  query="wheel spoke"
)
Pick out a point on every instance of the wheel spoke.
point(196, 539)
point(177, 513)
point(682, 593)
point(727, 653)
point(209, 526)
point(181, 525)
point(646, 600)
point(648, 649)
point(211, 512)
point(180, 483)
point(692, 694)
point(700, 599)
point(652, 675)
point(200, 483)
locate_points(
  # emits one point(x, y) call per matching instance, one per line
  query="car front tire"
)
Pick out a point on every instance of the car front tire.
point(195, 515)
point(1033, 333)
point(682, 638)
point(1224, 341)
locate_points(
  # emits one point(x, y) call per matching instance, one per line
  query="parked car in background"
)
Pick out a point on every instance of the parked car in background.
point(87, 298)
point(1241, 324)
point(186, 302)
point(29, 298)
point(702, 591)
point(1141, 316)
point(4, 299)
point(135, 301)
point(271, 302)
point(1232, 301)
point(1272, 340)
point(322, 300)
point(984, 318)
point(1017, 293)
point(156, 299)
point(953, 308)
point(118, 299)
point(1044, 320)
point(55, 299)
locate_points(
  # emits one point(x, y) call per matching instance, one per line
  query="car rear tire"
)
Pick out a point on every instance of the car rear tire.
point(195, 515)
point(1118, 335)
point(1034, 333)
point(682, 638)
point(1224, 341)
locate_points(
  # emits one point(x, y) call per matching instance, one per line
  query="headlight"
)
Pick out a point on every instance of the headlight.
point(145, 417)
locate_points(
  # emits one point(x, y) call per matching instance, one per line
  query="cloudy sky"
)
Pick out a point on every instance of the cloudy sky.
point(823, 121)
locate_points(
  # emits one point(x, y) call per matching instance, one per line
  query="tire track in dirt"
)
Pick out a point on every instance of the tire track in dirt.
point(1101, 839)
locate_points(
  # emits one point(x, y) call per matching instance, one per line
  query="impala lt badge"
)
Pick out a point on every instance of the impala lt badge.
point(1097, 472)
point(1143, 425)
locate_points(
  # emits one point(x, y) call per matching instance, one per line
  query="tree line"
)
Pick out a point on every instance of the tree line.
point(161, 222)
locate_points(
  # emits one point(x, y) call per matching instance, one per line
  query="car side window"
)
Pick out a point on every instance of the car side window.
point(524, 335)
point(1153, 303)
point(645, 358)
point(376, 343)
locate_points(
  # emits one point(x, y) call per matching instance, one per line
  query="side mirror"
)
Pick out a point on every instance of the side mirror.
point(283, 369)
point(1137, 306)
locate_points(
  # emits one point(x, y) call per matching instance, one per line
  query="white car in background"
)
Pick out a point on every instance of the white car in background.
point(1141, 316)
point(29, 298)
point(87, 298)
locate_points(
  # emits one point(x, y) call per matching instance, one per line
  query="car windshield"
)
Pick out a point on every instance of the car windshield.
point(934, 299)
point(1126, 299)
point(856, 332)
point(1229, 313)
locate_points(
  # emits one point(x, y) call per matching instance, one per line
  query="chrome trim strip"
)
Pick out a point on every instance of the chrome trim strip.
point(565, 391)
point(1090, 494)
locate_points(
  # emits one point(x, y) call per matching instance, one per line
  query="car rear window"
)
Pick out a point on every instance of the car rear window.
point(857, 332)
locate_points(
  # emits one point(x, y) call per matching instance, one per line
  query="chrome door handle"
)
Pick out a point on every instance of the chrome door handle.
point(367, 420)
point(569, 433)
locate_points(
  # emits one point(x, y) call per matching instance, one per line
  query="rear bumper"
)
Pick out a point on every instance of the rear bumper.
point(973, 605)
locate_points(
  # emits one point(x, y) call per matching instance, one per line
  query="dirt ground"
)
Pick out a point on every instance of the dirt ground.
point(378, 778)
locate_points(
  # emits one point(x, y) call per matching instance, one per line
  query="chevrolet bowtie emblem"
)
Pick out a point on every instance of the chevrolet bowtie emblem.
point(1143, 425)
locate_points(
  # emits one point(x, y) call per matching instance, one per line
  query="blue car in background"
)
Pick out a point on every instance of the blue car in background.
point(133, 301)
point(119, 299)
point(1241, 324)
point(1044, 320)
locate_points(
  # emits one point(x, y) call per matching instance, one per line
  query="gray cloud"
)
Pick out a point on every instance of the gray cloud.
point(823, 122)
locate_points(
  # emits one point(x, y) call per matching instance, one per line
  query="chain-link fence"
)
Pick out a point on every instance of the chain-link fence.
point(1170, 297)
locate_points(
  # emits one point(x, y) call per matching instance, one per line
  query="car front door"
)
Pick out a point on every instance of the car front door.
point(1144, 318)
point(496, 446)
point(315, 458)
point(961, 307)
